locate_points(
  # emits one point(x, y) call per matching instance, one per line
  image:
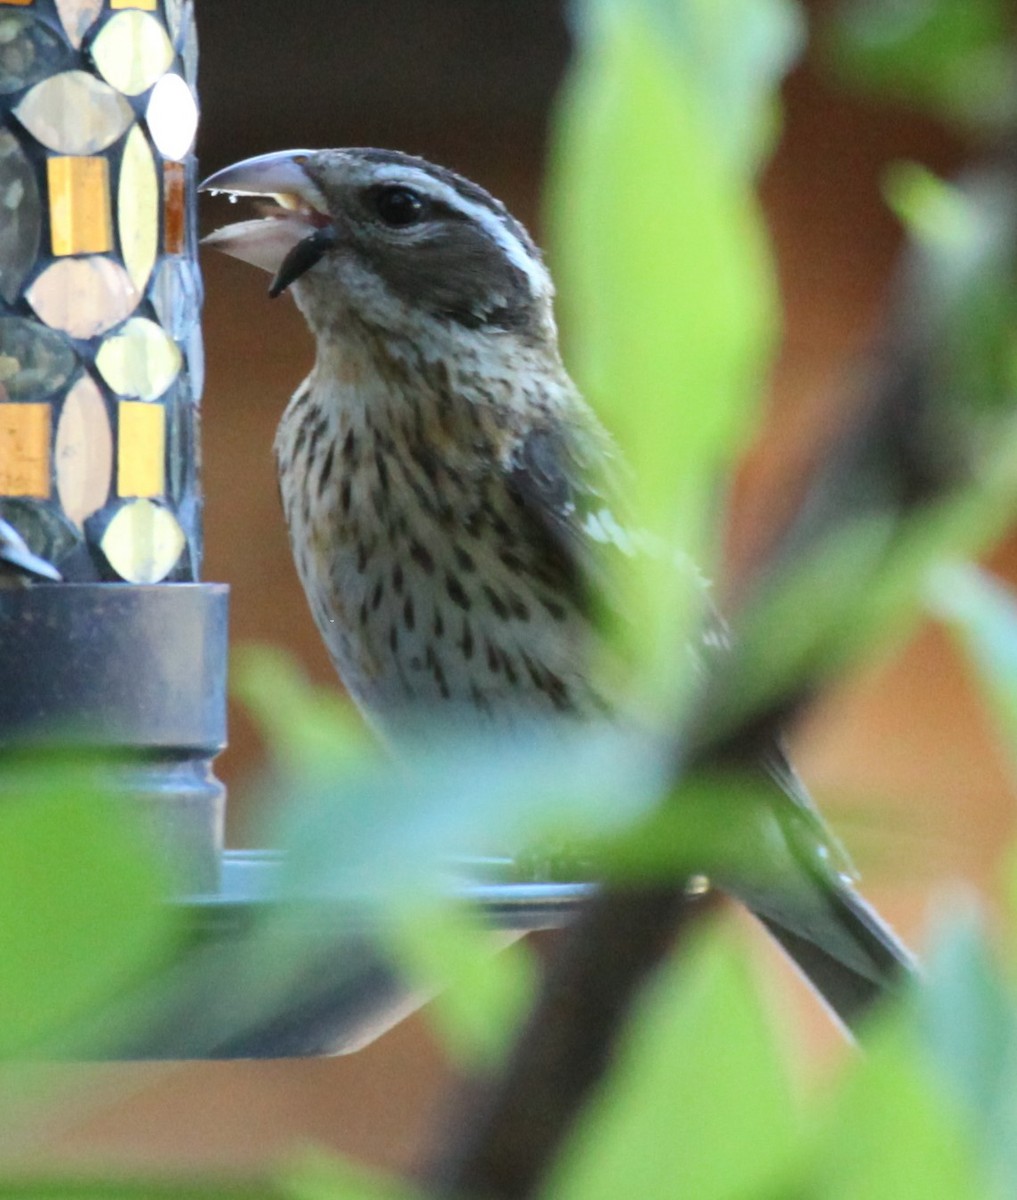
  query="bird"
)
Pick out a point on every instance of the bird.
point(449, 493)
point(19, 567)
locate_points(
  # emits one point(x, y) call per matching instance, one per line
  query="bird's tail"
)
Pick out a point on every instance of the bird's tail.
point(845, 950)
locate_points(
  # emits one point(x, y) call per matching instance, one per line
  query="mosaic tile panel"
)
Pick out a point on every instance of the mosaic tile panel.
point(100, 294)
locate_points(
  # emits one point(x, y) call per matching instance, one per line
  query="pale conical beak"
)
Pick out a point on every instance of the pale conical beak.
point(270, 241)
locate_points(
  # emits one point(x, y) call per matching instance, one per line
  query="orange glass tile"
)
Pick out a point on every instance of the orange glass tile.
point(79, 205)
point(23, 3)
point(147, 5)
point(174, 191)
point(141, 449)
point(24, 450)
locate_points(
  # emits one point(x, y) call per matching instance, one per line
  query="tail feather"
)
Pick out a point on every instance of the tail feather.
point(847, 953)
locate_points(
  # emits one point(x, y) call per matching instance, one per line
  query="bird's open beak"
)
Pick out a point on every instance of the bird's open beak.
point(289, 237)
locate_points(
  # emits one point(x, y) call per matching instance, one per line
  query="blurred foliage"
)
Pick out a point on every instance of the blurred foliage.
point(666, 279)
point(956, 58)
point(668, 292)
point(81, 904)
point(932, 478)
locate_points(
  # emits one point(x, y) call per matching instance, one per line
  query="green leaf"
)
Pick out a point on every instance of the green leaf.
point(954, 57)
point(861, 590)
point(303, 725)
point(319, 1176)
point(967, 1026)
point(83, 913)
point(981, 613)
point(481, 989)
point(104, 1188)
point(388, 832)
point(737, 52)
point(668, 295)
point(936, 213)
point(891, 1131)
point(698, 1103)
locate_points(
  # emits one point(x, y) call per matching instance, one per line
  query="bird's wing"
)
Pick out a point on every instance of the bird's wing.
point(566, 489)
point(565, 484)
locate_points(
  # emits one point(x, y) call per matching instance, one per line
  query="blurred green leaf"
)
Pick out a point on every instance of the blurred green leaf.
point(981, 612)
point(936, 212)
point(736, 51)
point(954, 57)
point(309, 1177)
point(891, 1131)
point(378, 849)
point(106, 1188)
point(481, 988)
point(318, 1176)
point(669, 296)
point(698, 1103)
point(391, 832)
point(967, 1025)
point(306, 727)
point(83, 911)
point(862, 589)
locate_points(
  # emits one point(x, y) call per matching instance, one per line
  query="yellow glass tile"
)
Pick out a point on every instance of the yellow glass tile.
point(131, 51)
point(83, 452)
point(24, 450)
point(79, 208)
point(140, 359)
point(83, 296)
point(143, 542)
point(174, 189)
point(141, 449)
point(138, 208)
point(147, 5)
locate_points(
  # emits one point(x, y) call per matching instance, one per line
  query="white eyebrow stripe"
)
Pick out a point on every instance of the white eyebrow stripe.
point(492, 224)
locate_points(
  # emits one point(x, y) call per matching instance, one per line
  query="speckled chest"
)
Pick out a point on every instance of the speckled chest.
point(417, 562)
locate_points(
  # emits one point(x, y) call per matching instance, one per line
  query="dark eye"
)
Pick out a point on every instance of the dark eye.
point(398, 206)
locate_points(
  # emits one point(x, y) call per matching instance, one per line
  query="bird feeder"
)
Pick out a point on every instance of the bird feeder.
point(100, 378)
point(100, 382)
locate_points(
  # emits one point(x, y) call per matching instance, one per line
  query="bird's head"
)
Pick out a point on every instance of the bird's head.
point(402, 245)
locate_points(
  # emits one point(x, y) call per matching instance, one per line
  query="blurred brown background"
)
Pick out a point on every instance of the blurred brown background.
point(468, 83)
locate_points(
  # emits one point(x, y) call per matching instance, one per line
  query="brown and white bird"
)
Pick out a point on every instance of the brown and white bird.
point(447, 489)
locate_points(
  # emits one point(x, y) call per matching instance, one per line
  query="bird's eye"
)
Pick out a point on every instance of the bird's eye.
point(398, 206)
